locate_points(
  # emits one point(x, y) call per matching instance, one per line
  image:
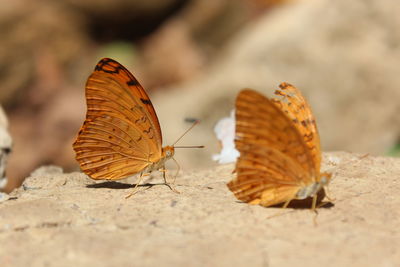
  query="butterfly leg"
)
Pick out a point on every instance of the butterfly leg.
point(314, 203)
point(164, 171)
point(177, 171)
point(328, 194)
point(285, 205)
point(135, 189)
point(314, 209)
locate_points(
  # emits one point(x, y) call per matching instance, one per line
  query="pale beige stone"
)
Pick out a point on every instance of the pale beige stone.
point(67, 219)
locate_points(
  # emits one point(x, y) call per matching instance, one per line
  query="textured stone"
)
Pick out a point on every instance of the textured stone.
point(66, 219)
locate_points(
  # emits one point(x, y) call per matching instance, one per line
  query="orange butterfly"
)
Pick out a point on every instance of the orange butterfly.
point(121, 135)
point(279, 147)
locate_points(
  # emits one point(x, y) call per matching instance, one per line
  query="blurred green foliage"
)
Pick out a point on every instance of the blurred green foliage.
point(123, 52)
point(394, 151)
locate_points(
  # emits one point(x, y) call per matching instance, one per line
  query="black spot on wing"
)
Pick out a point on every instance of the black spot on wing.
point(141, 120)
point(112, 66)
point(104, 61)
point(132, 83)
point(145, 101)
point(149, 133)
point(284, 85)
point(308, 137)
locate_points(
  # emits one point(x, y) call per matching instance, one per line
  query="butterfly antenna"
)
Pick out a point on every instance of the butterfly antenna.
point(190, 128)
point(188, 146)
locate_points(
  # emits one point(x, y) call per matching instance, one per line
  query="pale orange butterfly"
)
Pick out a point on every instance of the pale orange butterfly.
point(121, 135)
point(279, 147)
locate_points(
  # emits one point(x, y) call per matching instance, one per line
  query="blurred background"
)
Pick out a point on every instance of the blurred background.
point(193, 56)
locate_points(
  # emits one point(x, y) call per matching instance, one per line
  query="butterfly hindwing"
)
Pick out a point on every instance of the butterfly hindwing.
point(106, 151)
point(265, 176)
point(297, 109)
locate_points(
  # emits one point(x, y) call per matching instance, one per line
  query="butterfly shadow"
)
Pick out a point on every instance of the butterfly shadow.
point(307, 203)
point(304, 203)
point(117, 185)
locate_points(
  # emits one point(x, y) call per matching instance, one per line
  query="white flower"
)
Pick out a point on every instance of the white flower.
point(225, 132)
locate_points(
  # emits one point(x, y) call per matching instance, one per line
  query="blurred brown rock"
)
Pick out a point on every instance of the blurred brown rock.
point(183, 46)
point(133, 7)
point(33, 33)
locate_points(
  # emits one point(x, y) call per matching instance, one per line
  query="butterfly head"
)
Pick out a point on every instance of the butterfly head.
point(168, 152)
point(325, 178)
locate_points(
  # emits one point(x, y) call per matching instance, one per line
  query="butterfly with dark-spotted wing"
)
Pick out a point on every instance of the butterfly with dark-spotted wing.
point(121, 135)
point(279, 147)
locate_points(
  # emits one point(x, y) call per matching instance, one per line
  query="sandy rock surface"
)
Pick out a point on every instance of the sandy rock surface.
point(66, 219)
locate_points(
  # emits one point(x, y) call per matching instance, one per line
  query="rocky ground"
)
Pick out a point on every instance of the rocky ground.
point(66, 219)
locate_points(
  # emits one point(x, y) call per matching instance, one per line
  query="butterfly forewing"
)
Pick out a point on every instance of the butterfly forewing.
point(121, 134)
point(274, 160)
point(259, 121)
point(112, 80)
